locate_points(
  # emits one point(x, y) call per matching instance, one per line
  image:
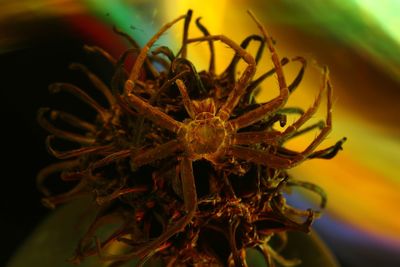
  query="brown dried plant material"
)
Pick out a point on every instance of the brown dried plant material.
point(187, 163)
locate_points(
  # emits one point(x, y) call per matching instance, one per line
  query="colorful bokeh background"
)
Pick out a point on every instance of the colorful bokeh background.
point(358, 39)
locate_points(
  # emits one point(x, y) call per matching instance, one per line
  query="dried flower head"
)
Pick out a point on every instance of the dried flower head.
point(187, 163)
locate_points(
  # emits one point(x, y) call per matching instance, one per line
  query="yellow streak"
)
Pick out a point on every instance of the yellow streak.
point(356, 194)
point(218, 19)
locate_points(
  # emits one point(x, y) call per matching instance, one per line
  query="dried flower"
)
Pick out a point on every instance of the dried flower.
point(187, 163)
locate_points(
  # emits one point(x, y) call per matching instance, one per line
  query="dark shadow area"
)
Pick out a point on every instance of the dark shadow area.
point(25, 76)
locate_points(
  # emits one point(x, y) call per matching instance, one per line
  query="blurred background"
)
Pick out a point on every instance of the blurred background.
point(358, 39)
